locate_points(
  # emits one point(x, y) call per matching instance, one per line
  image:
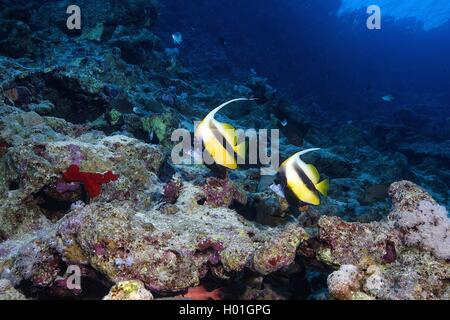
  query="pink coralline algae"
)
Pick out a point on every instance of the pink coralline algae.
point(213, 247)
point(209, 243)
point(172, 190)
point(222, 193)
point(100, 249)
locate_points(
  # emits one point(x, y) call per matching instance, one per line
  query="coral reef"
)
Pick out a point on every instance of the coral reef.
point(386, 260)
point(427, 226)
point(122, 233)
point(86, 179)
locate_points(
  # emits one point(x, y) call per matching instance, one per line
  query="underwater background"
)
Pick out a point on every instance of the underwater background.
point(89, 188)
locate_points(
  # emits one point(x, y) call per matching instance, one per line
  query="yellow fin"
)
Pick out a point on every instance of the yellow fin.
point(323, 187)
point(312, 173)
point(227, 126)
point(241, 150)
point(303, 193)
point(220, 155)
point(227, 131)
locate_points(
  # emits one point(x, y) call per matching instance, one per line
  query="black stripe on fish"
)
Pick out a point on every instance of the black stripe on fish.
point(289, 195)
point(308, 183)
point(225, 144)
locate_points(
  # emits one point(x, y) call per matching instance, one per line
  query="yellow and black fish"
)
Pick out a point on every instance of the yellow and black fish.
point(300, 182)
point(220, 139)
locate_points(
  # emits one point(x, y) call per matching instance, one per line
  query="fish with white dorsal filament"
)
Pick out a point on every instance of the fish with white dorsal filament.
point(299, 182)
point(220, 139)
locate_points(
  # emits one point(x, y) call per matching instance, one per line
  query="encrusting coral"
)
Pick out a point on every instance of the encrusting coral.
point(129, 290)
point(427, 226)
point(345, 282)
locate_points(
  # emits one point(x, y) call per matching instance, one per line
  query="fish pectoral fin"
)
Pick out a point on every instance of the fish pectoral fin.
point(323, 187)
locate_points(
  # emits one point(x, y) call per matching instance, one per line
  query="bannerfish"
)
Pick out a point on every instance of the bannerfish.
point(300, 182)
point(177, 38)
point(220, 140)
point(388, 98)
point(141, 112)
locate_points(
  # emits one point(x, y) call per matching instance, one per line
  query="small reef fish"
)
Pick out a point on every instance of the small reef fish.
point(388, 98)
point(284, 122)
point(177, 38)
point(141, 112)
point(200, 293)
point(278, 189)
point(300, 182)
point(151, 135)
point(220, 139)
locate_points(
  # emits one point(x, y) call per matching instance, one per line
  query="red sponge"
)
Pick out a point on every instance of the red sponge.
point(92, 181)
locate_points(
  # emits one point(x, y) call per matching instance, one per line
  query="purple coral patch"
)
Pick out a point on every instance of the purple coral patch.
point(63, 187)
point(76, 156)
point(391, 253)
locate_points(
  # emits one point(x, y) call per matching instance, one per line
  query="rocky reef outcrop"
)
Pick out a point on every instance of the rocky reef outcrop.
point(128, 232)
point(134, 237)
point(405, 257)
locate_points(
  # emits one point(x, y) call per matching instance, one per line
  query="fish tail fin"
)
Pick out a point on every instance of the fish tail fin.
point(323, 187)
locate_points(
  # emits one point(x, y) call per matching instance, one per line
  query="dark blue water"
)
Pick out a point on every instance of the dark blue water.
point(306, 49)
